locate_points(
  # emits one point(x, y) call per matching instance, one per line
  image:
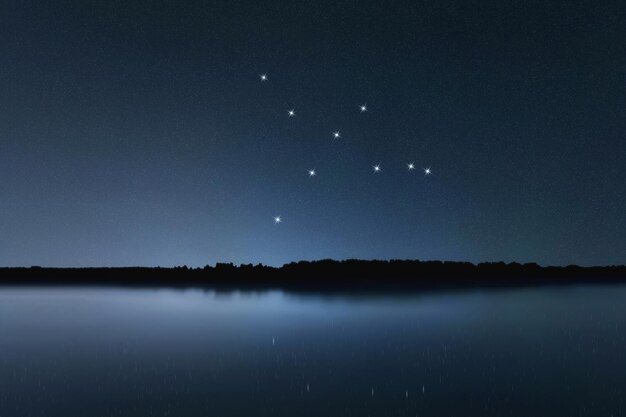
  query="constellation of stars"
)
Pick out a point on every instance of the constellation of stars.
point(377, 169)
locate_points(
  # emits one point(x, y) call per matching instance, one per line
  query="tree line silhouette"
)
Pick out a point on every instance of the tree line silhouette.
point(323, 275)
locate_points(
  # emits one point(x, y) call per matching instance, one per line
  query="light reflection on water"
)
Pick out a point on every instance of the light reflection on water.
point(129, 352)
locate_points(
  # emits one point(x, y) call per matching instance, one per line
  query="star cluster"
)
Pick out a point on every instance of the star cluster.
point(376, 169)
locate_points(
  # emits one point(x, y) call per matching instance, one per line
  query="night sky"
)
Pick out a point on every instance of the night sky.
point(141, 133)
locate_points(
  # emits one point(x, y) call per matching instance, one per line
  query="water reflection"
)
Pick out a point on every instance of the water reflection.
point(129, 352)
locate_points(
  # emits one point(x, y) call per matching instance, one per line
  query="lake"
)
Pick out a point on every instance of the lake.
point(549, 351)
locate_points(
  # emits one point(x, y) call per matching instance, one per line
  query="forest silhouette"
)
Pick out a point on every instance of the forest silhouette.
point(324, 275)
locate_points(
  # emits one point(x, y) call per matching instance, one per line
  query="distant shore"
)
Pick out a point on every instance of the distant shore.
point(324, 275)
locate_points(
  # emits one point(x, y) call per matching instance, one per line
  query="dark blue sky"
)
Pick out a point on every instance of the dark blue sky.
point(139, 133)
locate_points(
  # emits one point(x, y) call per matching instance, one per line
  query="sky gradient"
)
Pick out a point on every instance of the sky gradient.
point(139, 132)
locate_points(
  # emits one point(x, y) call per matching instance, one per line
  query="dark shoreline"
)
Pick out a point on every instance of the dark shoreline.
point(323, 276)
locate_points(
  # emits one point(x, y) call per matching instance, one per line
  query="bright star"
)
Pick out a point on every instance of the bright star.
point(376, 168)
point(363, 108)
point(410, 166)
point(336, 135)
point(312, 173)
point(263, 77)
point(291, 112)
point(277, 220)
point(427, 171)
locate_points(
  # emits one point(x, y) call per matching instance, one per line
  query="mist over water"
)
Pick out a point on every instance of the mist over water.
point(158, 352)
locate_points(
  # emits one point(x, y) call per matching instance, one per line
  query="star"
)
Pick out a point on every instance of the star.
point(427, 171)
point(263, 77)
point(277, 220)
point(336, 135)
point(376, 168)
point(312, 173)
point(291, 112)
point(363, 108)
point(410, 166)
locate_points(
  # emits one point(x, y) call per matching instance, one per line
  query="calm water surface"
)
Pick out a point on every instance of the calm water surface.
point(156, 352)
